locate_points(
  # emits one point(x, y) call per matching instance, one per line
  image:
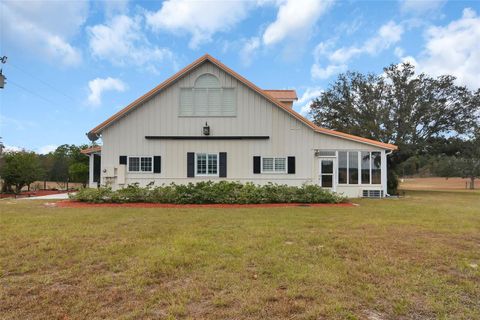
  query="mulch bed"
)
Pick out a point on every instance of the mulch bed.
point(78, 204)
point(37, 193)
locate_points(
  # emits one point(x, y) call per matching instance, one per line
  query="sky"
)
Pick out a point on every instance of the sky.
point(72, 64)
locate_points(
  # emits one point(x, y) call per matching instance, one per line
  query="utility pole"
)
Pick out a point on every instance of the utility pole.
point(3, 60)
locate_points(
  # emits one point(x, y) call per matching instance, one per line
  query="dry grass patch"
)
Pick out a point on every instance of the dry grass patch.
point(408, 258)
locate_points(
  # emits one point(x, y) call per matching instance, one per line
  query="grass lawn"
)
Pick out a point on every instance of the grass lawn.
point(417, 257)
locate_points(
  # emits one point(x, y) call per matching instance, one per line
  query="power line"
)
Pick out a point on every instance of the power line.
point(41, 80)
point(33, 93)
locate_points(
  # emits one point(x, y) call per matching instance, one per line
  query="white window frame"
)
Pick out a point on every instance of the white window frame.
point(139, 164)
point(359, 168)
point(207, 174)
point(334, 174)
point(381, 169)
point(274, 171)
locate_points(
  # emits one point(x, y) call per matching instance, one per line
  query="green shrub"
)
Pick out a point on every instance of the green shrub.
point(209, 192)
point(99, 195)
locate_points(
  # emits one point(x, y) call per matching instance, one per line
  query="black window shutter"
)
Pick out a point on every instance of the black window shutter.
point(157, 164)
point(291, 164)
point(190, 164)
point(256, 164)
point(122, 160)
point(223, 164)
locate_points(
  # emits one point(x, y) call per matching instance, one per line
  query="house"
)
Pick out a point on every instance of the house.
point(207, 122)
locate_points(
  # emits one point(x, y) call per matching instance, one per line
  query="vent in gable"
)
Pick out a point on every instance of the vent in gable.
point(207, 81)
point(207, 99)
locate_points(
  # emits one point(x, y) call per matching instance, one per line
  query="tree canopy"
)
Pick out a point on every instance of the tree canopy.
point(20, 169)
point(399, 106)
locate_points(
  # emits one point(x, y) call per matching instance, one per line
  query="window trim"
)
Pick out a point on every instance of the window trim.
point(207, 174)
point(139, 164)
point(274, 171)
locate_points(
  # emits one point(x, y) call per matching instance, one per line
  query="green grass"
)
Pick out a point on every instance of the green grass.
point(386, 259)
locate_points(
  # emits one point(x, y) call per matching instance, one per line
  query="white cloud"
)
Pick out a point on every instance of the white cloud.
point(388, 34)
point(98, 86)
point(57, 47)
point(115, 7)
point(324, 73)
point(248, 50)
point(420, 6)
point(294, 18)
point(200, 19)
point(122, 42)
point(44, 27)
point(454, 49)
point(304, 103)
point(47, 149)
point(399, 52)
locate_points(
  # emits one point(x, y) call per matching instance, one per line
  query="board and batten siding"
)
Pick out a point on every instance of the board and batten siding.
point(255, 116)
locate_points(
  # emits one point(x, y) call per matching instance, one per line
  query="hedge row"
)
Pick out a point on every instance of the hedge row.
point(209, 192)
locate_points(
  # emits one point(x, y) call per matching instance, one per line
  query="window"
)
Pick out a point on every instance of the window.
point(365, 175)
point(353, 167)
point(140, 164)
point(376, 168)
point(326, 171)
point(369, 172)
point(342, 167)
point(206, 164)
point(274, 165)
point(207, 98)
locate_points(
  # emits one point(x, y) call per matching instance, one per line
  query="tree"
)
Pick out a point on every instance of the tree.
point(79, 173)
point(20, 169)
point(469, 159)
point(398, 107)
point(62, 158)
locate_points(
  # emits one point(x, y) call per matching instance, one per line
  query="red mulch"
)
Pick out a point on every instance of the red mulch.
point(78, 204)
point(32, 193)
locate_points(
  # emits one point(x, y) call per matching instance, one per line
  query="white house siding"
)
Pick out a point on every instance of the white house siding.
point(256, 116)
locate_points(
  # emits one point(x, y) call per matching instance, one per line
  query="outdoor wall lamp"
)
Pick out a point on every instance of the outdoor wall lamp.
point(206, 129)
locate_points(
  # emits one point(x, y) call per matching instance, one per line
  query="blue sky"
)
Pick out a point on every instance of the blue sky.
point(72, 64)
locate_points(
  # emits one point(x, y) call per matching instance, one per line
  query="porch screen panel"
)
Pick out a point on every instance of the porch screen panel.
point(376, 168)
point(365, 167)
point(353, 167)
point(342, 167)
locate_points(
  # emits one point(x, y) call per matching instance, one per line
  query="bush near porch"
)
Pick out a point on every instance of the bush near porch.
point(209, 192)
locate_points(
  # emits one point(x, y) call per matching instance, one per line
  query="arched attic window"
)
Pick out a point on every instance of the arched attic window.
point(207, 99)
point(207, 80)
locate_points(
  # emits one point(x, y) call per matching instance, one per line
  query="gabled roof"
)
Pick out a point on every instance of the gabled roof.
point(95, 132)
point(283, 95)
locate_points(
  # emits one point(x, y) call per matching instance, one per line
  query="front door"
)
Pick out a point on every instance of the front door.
point(327, 173)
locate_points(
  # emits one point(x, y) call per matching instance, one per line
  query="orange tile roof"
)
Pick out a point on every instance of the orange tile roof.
point(282, 95)
point(91, 150)
point(267, 94)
